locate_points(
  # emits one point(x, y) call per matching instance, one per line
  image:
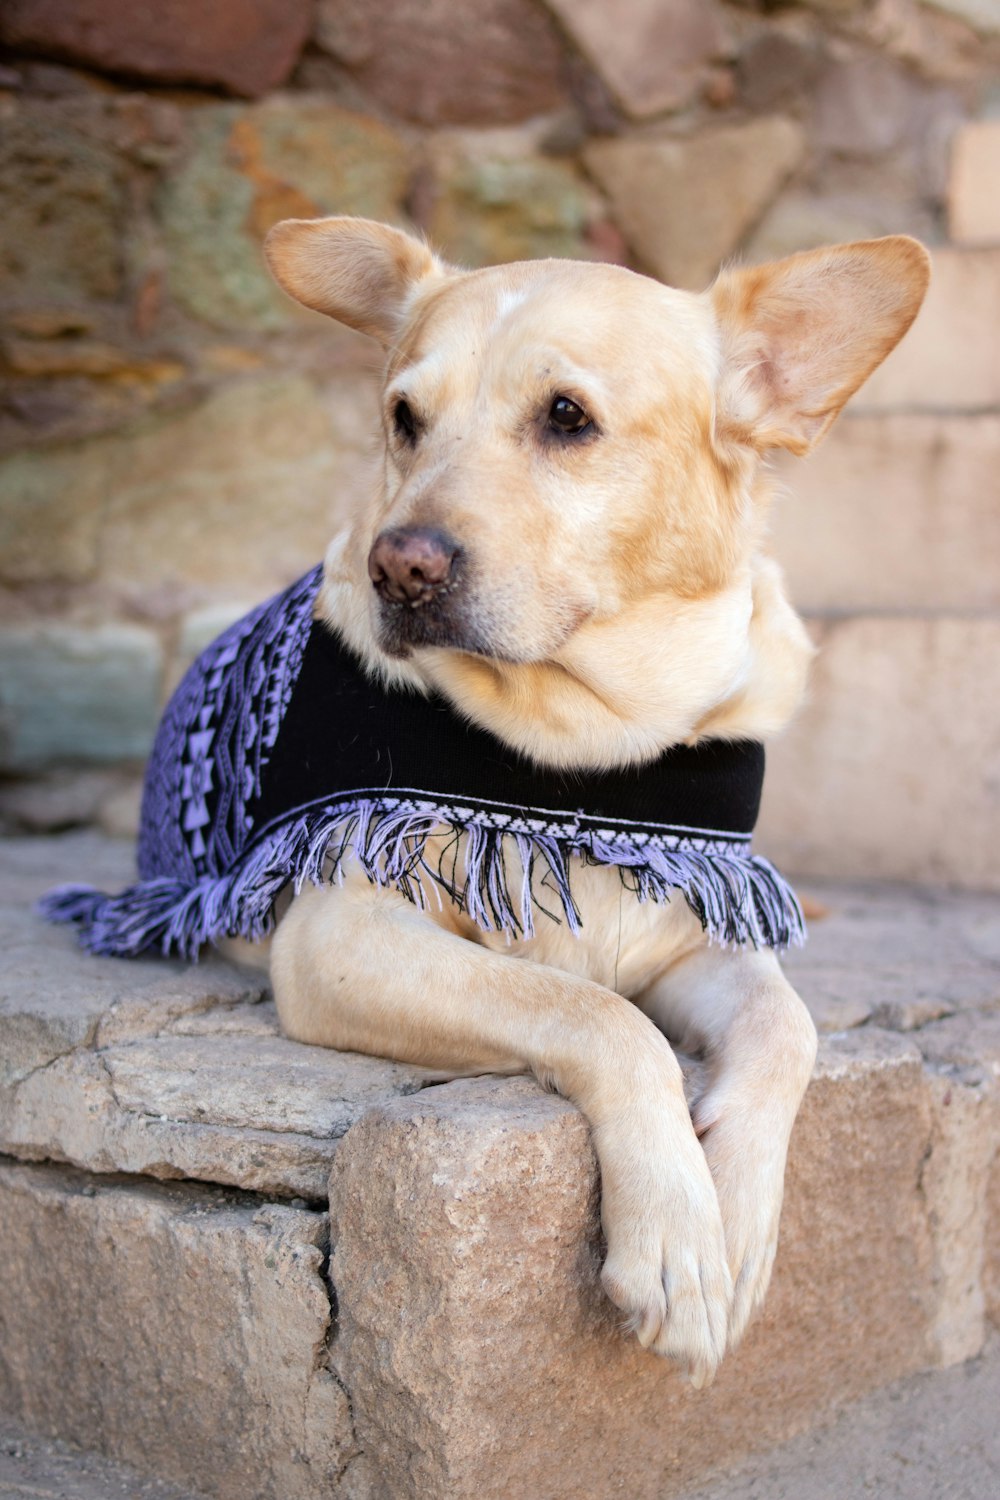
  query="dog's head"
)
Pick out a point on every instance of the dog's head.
point(563, 439)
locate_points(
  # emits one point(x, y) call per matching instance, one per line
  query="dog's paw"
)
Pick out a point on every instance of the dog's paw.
point(666, 1267)
point(748, 1170)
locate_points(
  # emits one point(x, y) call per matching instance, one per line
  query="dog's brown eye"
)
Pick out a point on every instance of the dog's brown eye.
point(404, 422)
point(565, 416)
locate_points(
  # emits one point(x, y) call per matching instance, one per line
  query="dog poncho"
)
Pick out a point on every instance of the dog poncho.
point(279, 758)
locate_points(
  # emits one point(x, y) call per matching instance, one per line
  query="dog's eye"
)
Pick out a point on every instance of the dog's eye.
point(404, 422)
point(565, 416)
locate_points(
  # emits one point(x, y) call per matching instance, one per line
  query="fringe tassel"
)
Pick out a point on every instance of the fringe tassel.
point(740, 899)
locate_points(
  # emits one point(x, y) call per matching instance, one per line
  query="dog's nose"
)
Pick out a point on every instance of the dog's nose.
point(411, 564)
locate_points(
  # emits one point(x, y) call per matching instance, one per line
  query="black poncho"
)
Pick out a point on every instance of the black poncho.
point(279, 758)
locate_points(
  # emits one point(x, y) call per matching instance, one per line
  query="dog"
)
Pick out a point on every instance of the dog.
point(592, 444)
point(566, 552)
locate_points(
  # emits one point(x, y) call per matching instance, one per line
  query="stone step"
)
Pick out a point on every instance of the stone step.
point(891, 770)
point(430, 1322)
point(932, 1436)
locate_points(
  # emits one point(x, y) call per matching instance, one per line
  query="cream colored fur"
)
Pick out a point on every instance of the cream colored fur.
point(617, 601)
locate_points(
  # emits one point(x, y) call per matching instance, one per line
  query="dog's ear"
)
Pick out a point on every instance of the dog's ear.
point(359, 272)
point(799, 336)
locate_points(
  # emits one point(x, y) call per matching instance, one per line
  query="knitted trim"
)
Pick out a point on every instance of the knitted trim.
point(738, 897)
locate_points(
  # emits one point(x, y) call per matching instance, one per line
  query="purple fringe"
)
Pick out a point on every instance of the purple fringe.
point(739, 898)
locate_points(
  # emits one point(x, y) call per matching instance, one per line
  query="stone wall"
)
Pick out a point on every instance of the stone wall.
point(177, 439)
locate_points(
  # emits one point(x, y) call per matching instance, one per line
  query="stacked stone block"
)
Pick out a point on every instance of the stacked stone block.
point(177, 439)
point(257, 1267)
point(891, 539)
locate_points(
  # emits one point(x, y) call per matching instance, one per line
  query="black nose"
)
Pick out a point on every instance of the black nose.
point(412, 564)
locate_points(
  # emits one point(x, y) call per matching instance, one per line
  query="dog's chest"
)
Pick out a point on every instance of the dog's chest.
point(623, 944)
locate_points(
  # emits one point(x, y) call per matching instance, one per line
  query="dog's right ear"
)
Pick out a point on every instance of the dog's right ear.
point(361, 273)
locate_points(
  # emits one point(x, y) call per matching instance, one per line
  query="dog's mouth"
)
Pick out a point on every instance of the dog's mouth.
point(429, 623)
point(438, 620)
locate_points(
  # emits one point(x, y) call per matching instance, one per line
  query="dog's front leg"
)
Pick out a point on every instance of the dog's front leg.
point(361, 969)
point(760, 1045)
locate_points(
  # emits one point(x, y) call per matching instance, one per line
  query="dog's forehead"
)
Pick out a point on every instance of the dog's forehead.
point(596, 314)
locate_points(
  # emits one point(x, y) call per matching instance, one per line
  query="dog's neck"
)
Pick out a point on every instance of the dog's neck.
point(729, 666)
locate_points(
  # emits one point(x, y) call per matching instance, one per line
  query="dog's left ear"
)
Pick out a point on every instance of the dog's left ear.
point(799, 336)
point(360, 272)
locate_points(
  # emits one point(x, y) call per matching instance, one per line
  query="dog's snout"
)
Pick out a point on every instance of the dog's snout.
point(412, 564)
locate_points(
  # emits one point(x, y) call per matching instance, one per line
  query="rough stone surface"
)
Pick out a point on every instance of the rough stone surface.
point(479, 1354)
point(864, 106)
point(493, 200)
point(950, 359)
point(246, 46)
point(685, 204)
point(156, 1066)
point(467, 1219)
point(245, 168)
point(448, 62)
point(974, 188)
point(64, 204)
point(31, 1463)
point(265, 482)
point(983, 15)
point(804, 220)
point(191, 1328)
point(890, 771)
point(76, 693)
point(894, 512)
point(991, 1269)
point(896, 956)
point(931, 1436)
point(652, 54)
point(774, 67)
point(50, 515)
point(58, 800)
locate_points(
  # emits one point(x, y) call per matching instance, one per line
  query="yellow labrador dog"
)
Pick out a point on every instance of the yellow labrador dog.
point(591, 445)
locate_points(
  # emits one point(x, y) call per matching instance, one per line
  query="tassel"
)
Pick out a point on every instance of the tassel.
point(739, 898)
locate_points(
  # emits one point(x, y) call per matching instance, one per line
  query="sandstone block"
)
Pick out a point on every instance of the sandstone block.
point(142, 1110)
point(76, 693)
point(685, 204)
point(158, 1066)
point(963, 1173)
point(52, 802)
point(890, 772)
point(31, 866)
point(982, 15)
point(774, 67)
point(246, 168)
point(50, 512)
point(476, 62)
point(864, 106)
point(950, 359)
point(246, 46)
point(991, 1241)
point(894, 512)
point(974, 189)
point(804, 220)
point(482, 1357)
point(64, 205)
point(263, 485)
point(191, 1325)
point(896, 957)
point(652, 54)
point(494, 200)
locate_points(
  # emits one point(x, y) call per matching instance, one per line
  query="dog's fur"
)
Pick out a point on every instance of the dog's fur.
point(613, 600)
